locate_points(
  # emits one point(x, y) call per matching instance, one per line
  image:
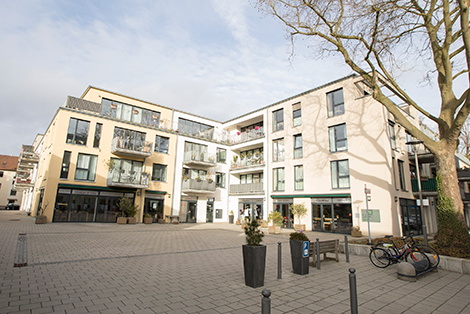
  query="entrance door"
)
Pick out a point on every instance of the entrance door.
point(192, 211)
point(154, 207)
point(284, 209)
point(411, 217)
point(322, 217)
point(210, 212)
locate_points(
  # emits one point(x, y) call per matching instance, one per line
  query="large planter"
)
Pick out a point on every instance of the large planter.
point(356, 233)
point(298, 227)
point(230, 219)
point(254, 264)
point(299, 263)
point(41, 220)
point(148, 220)
point(122, 220)
point(131, 220)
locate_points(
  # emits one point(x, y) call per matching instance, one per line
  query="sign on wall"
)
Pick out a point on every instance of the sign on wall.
point(374, 215)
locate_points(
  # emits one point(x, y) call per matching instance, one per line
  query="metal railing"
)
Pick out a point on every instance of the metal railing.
point(246, 188)
point(125, 178)
point(198, 185)
point(427, 185)
point(128, 145)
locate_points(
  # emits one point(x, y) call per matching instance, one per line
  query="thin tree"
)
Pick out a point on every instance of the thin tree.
point(374, 37)
point(464, 144)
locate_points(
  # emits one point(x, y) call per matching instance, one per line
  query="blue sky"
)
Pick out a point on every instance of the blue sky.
point(218, 59)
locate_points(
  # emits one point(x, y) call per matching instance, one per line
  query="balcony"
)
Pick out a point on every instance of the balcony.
point(427, 185)
point(128, 179)
point(247, 162)
point(248, 135)
point(28, 156)
point(249, 188)
point(201, 159)
point(198, 186)
point(23, 183)
point(130, 148)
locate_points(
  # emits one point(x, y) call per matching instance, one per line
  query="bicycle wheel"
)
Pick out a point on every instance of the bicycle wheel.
point(379, 257)
point(418, 256)
point(392, 252)
point(431, 253)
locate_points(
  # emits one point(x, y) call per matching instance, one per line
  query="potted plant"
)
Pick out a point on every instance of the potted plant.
point(40, 217)
point(230, 217)
point(276, 219)
point(128, 210)
point(356, 231)
point(299, 251)
point(299, 211)
point(254, 256)
point(148, 219)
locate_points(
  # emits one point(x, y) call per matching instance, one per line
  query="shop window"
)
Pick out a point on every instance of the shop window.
point(161, 144)
point(159, 173)
point(78, 131)
point(340, 174)
point(338, 140)
point(86, 167)
point(278, 120)
point(335, 102)
point(64, 172)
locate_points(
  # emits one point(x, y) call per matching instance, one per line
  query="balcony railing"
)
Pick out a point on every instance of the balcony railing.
point(428, 185)
point(198, 186)
point(128, 179)
point(23, 183)
point(125, 147)
point(247, 162)
point(27, 155)
point(199, 158)
point(248, 188)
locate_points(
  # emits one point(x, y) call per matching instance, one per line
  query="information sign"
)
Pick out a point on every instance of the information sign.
point(306, 248)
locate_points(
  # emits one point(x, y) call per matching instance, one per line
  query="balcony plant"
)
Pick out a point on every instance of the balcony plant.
point(276, 219)
point(254, 256)
point(128, 210)
point(299, 210)
point(297, 249)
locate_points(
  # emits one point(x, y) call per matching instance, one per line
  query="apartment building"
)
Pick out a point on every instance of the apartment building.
point(8, 192)
point(324, 148)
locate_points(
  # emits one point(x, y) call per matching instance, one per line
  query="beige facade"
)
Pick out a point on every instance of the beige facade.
point(8, 192)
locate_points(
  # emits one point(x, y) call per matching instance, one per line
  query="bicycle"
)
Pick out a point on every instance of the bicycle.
point(431, 253)
point(383, 257)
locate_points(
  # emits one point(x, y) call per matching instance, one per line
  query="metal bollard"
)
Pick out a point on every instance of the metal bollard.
point(318, 253)
point(353, 290)
point(346, 248)
point(425, 235)
point(279, 260)
point(266, 302)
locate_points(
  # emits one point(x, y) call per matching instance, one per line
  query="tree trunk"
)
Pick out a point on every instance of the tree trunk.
point(446, 168)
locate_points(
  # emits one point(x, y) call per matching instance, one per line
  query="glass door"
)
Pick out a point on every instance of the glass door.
point(288, 217)
point(322, 217)
point(210, 212)
point(317, 222)
point(192, 211)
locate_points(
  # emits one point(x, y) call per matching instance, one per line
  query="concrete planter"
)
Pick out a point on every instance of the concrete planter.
point(131, 220)
point(148, 220)
point(122, 220)
point(41, 220)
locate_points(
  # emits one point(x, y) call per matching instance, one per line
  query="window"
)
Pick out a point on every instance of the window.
point(391, 130)
point(128, 139)
point(299, 178)
point(122, 111)
point(1, 174)
point(278, 120)
point(159, 173)
point(298, 146)
point(161, 144)
point(335, 102)
point(340, 174)
point(64, 172)
point(218, 214)
point(221, 155)
point(78, 131)
point(401, 173)
point(394, 173)
point(194, 174)
point(278, 179)
point(86, 167)
point(338, 140)
point(96, 141)
point(195, 128)
point(278, 149)
point(12, 193)
point(193, 151)
point(297, 115)
point(220, 180)
point(127, 171)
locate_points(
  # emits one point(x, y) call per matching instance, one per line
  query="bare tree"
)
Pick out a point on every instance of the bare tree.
point(464, 144)
point(374, 37)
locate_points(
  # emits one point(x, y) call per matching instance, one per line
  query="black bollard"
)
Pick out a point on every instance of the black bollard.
point(279, 261)
point(353, 290)
point(318, 253)
point(346, 248)
point(266, 302)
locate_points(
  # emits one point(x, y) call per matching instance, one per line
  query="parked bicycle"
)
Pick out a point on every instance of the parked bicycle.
point(384, 254)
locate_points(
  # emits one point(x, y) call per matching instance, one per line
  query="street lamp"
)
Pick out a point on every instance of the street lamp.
point(414, 144)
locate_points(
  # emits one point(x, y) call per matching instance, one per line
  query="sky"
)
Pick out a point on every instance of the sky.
point(215, 58)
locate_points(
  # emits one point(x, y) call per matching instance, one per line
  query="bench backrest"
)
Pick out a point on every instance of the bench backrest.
point(325, 246)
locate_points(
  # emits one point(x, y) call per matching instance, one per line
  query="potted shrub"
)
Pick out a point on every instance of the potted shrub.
point(299, 262)
point(254, 256)
point(299, 211)
point(356, 231)
point(230, 217)
point(40, 217)
point(276, 219)
point(128, 210)
point(148, 219)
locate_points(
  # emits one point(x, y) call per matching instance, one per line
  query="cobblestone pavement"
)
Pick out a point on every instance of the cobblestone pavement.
point(187, 268)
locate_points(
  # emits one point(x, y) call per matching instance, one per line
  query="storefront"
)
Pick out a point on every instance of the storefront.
point(282, 205)
point(83, 205)
point(153, 205)
point(332, 214)
point(188, 209)
point(250, 207)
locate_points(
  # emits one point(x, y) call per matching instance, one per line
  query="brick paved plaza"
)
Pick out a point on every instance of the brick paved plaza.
point(188, 268)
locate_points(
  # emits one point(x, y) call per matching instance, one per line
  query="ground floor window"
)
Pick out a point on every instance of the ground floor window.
point(332, 215)
point(411, 221)
point(283, 206)
point(154, 207)
point(249, 208)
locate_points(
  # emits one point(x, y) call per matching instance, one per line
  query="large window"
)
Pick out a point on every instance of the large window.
point(251, 178)
point(340, 174)
point(298, 153)
point(401, 173)
point(97, 139)
point(297, 115)
point(220, 180)
point(78, 131)
point(161, 144)
point(335, 102)
point(86, 167)
point(64, 172)
point(338, 140)
point(131, 113)
point(221, 155)
point(127, 171)
point(128, 139)
point(194, 174)
point(299, 178)
point(391, 130)
point(195, 128)
point(278, 179)
point(278, 120)
point(193, 151)
point(278, 149)
point(159, 173)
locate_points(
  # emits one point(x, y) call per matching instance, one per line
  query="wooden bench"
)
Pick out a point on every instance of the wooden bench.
point(328, 246)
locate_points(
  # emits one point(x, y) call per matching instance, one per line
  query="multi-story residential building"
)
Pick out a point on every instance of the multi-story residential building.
point(324, 148)
point(8, 192)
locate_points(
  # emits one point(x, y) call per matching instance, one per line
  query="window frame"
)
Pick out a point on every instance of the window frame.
point(393, 135)
point(298, 181)
point(297, 121)
point(278, 120)
point(278, 154)
point(218, 154)
point(97, 137)
point(158, 144)
point(90, 172)
point(332, 105)
point(72, 137)
point(335, 169)
point(401, 174)
point(220, 180)
point(65, 166)
point(334, 139)
point(163, 173)
point(298, 149)
point(279, 184)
